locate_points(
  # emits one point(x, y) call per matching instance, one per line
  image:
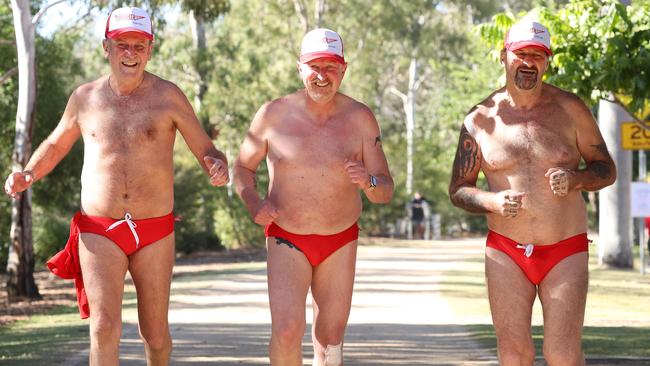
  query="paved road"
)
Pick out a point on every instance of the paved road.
point(221, 317)
point(219, 312)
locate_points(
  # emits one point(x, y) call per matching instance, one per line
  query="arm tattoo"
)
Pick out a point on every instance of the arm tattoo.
point(378, 140)
point(467, 155)
point(599, 167)
point(466, 161)
point(602, 148)
point(470, 202)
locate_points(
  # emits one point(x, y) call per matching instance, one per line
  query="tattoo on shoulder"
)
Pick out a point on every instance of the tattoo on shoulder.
point(602, 148)
point(467, 155)
point(378, 140)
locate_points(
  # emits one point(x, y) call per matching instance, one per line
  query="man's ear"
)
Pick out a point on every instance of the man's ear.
point(105, 46)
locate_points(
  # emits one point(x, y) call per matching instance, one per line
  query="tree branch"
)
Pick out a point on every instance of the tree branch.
point(7, 42)
point(301, 10)
point(421, 79)
point(634, 116)
point(401, 95)
point(47, 7)
point(8, 75)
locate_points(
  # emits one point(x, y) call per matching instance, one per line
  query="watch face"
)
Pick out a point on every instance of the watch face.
point(373, 181)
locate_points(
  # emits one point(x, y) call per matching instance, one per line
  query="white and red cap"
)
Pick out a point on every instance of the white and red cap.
point(128, 19)
point(321, 43)
point(528, 33)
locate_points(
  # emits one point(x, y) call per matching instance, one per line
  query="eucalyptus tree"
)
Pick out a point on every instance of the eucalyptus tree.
point(20, 264)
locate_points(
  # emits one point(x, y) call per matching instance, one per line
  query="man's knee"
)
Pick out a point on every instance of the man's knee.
point(156, 340)
point(288, 332)
point(565, 354)
point(332, 356)
point(105, 329)
point(515, 348)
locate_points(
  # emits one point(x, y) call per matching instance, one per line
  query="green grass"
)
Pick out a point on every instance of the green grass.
point(52, 337)
point(596, 341)
point(44, 339)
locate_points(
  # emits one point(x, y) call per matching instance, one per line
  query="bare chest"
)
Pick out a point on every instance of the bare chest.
point(125, 123)
point(531, 141)
point(299, 145)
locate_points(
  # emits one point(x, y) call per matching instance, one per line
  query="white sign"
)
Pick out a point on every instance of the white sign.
point(640, 197)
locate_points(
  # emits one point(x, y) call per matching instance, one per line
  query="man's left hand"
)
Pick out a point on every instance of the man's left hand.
point(561, 180)
point(218, 170)
point(357, 173)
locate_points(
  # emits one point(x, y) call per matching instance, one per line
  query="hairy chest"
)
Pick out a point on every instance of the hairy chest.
point(125, 124)
point(543, 141)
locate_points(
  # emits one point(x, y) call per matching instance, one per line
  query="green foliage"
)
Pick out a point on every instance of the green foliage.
point(56, 196)
point(50, 232)
point(194, 205)
point(599, 47)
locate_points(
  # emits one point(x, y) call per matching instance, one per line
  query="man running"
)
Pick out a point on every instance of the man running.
point(529, 139)
point(321, 148)
point(128, 121)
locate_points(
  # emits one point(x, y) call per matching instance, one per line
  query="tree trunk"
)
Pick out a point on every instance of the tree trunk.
point(614, 214)
point(409, 109)
point(197, 24)
point(20, 265)
point(318, 13)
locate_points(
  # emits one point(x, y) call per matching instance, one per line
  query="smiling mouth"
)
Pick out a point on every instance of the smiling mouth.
point(129, 64)
point(528, 72)
point(321, 83)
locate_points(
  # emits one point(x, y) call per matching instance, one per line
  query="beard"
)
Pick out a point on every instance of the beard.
point(319, 94)
point(526, 78)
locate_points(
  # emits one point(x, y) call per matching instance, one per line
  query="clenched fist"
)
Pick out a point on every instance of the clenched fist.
point(17, 182)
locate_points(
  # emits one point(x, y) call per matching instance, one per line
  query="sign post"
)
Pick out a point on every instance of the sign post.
point(636, 136)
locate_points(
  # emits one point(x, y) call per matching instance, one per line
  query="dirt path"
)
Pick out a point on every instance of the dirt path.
point(221, 317)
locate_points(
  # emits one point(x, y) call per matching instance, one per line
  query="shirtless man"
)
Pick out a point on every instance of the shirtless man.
point(321, 147)
point(128, 121)
point(529, 139)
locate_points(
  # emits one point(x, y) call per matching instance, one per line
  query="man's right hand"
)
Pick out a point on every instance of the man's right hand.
point(509, 202)
point(17, 182)
point(265, 213)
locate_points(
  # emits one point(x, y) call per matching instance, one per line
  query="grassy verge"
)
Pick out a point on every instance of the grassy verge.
point(57, 334)
point(44, 339)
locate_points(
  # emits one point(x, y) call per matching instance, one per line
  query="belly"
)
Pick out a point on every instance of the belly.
point(307, 205)
point(112, 187)
point(544, 218)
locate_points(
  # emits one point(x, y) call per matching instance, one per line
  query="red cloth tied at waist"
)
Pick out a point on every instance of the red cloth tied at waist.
point(129, 235)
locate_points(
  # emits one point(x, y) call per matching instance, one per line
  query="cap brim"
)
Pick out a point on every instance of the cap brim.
point(519, 45)
point(315, 55)
point(118, 32)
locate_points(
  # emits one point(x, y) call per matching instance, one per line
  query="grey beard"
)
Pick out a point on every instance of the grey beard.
point(525, 83)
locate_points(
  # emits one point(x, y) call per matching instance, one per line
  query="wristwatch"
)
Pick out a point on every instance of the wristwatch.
point(373, 182)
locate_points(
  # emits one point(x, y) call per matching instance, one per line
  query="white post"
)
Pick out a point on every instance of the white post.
point(614, 211)
point(642, 239)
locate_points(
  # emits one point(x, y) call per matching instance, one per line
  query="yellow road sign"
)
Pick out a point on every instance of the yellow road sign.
point(635, 136)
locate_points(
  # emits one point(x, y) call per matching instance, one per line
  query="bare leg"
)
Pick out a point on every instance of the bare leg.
point(511, 297)
point(332, 292)
point(289, 276)
point(104, 266)
point(563, 293)
point(151, 269)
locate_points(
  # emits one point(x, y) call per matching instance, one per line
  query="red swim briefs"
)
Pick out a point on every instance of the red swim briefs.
point(315, 247)
point(130, 235)
point(537, 260)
